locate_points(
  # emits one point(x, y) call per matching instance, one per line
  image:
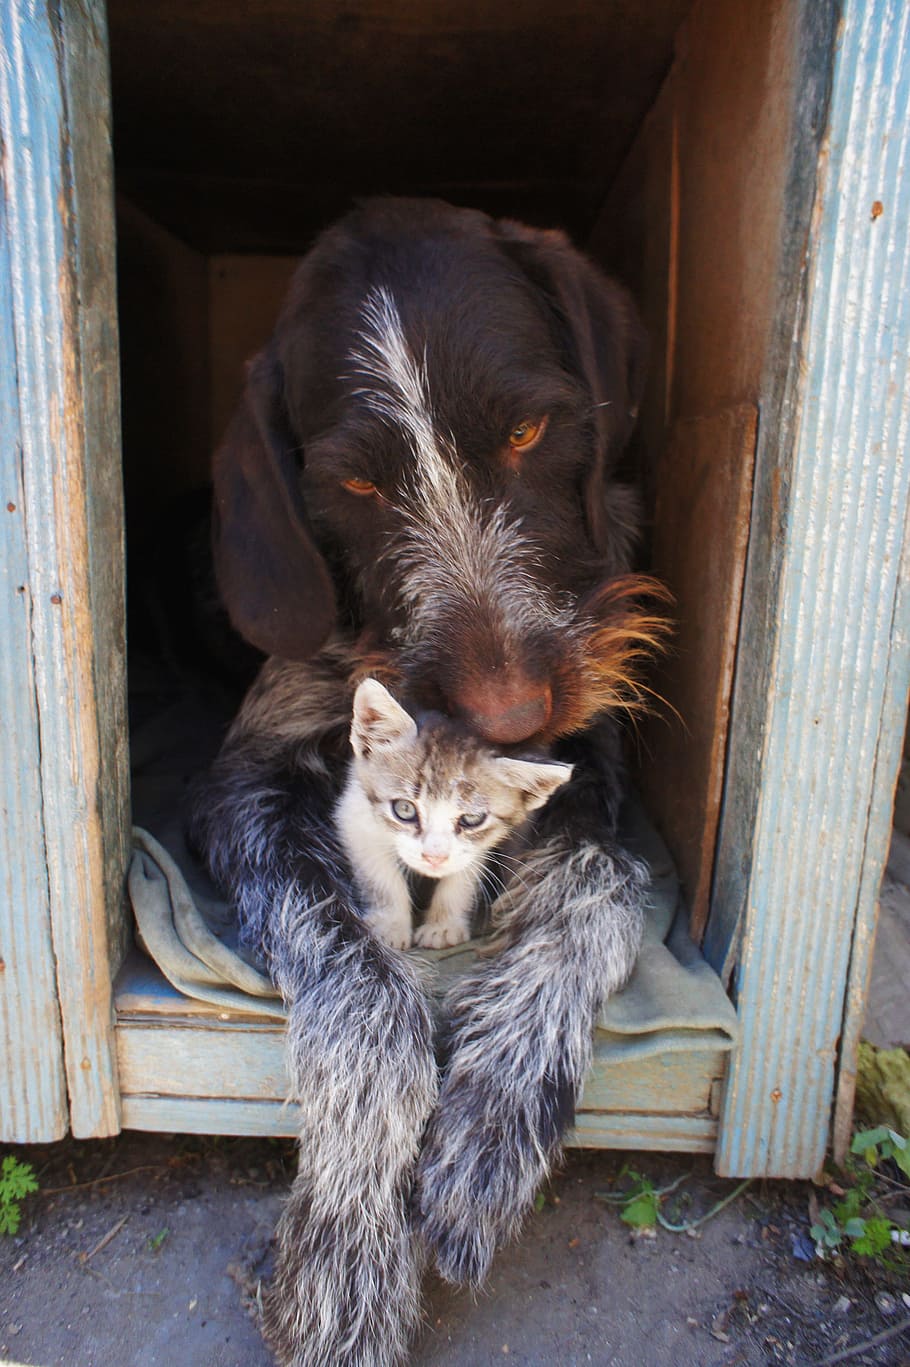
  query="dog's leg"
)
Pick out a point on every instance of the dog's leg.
point(347, 1277)
point(361, 1064)
point(520, 1037)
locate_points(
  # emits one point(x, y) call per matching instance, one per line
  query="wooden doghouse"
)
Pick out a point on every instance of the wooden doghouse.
point(744, 168)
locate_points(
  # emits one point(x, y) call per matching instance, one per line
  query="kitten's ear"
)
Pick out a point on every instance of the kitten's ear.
point(378, 719)
point(537, 782)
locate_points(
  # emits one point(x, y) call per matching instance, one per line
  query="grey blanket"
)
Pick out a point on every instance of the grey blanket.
point(672, 1001)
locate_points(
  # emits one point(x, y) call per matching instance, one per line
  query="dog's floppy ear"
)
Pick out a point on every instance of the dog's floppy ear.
point(607, 347)
point(273, 580)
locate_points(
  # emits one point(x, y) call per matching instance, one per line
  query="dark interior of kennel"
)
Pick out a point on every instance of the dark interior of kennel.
point(655, 134)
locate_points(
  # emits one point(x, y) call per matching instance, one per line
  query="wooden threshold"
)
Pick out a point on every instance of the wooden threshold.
point(189, 1067)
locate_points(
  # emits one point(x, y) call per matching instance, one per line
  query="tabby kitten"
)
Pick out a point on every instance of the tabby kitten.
point(432, 799)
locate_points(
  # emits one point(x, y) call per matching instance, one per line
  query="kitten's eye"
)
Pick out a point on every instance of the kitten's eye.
point(471, 820)
point(527, 434)
point(364, 487)
point(404, 810)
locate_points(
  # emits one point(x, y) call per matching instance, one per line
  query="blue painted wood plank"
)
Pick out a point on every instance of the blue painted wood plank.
point(592, 1130)
point(237, 1060)
point(829, 734)
point(878, 840)
point(188, 1065)
point(32, 1082)
point(206, 1115)
point(63, 353)
point(90, 169)
point(663, 1133)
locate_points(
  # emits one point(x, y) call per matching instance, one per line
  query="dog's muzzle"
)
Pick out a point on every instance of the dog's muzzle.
point(508, 712)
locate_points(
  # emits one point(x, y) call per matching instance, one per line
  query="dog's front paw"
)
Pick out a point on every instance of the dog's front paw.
point(463, 1256)
point(452, 1225)
point(485, 1153)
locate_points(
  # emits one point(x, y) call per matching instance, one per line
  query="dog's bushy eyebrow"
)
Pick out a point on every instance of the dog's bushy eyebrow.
point(530, 398)
point(348, 440)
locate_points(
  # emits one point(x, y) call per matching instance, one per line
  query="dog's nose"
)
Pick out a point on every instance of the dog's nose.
point(507, 715)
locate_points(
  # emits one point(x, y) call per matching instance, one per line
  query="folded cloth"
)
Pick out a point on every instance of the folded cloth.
point(673, 1000)
point(173, 931)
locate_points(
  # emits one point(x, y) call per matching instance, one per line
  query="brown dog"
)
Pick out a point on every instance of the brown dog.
point(420, 479)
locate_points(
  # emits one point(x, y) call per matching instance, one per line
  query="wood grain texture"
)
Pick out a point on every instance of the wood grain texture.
point(521, 107)
point(887, 765)
point(693, 225)
point(86, 81)
point(189, 1115)
point(230, 1062)
point(832, 698)
point(701, 534)
point(195, 1115)
point(58, 184)
point(33, 1104)
point(245, 296)
point(240, 1060)
point(811, 41)
point(224, 1073)
point(676, 1082)
point(665, 1133)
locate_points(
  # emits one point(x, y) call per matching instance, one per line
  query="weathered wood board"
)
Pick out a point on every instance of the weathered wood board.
point(825, 663)
point(60, 323)
point(185, 1064)
point(701, 533)
point(162, 290)
point(33, 1103)
point(245, 295)
point(692, 225)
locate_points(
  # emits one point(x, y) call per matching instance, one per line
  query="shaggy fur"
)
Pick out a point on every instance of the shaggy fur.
point(382, 509)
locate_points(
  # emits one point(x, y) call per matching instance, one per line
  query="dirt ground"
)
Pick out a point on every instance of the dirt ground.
point(149, 1250)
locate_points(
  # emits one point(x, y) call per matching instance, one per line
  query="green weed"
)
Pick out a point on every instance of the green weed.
point(17, 1180)
point(857, 1224)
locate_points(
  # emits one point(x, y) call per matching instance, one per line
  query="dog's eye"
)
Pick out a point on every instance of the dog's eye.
point(359, 486)
point(526, 434)
point(404, 810)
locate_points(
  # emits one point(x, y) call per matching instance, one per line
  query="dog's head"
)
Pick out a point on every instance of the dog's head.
point(425, 450)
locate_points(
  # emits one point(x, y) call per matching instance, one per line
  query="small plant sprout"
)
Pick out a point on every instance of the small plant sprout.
point(845, 1228)
point(17, 1180)
point(881, 1143)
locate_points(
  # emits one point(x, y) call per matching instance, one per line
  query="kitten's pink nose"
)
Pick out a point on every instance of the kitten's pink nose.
point(435, 861)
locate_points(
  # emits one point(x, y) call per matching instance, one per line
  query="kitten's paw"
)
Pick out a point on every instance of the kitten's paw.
point(392, 931)
point(441, 935)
